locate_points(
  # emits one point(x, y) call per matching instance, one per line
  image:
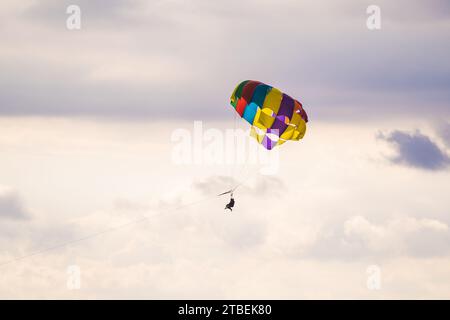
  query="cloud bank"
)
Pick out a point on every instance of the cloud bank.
point(182, 59)
point(416, 150)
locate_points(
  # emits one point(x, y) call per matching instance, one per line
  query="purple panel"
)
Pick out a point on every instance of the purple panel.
point(267, 143)
point(279, 125)
point(275, 132)
point(286, 107)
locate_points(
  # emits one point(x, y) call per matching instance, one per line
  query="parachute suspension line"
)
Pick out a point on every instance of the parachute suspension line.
point(233, 165)
point(102, 232)
point(242, 171)
point(235, 178)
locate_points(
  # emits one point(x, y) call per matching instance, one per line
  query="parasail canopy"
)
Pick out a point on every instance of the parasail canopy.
point(274, 116)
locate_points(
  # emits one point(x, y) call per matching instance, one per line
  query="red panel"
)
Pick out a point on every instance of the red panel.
point(247, 94)
point(240, 107)
point(299, 107)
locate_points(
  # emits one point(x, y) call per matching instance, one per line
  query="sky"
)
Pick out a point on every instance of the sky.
point(114, 142)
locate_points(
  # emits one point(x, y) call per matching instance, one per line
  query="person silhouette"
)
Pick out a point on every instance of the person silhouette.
point(230, 205)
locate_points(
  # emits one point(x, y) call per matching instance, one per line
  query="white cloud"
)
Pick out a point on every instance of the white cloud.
point(338, 207)
point(393, 238)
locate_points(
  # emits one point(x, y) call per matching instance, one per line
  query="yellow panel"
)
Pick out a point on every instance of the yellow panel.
point(273, 100)
point(299, 133)
point(260, 126)
point(233, 95)
point(295, 120)
point(296, 135)
point(280, 142)
point(256, 120)
point(254, 133)
point(302, 128)
point(287, 134)
point(265, 118)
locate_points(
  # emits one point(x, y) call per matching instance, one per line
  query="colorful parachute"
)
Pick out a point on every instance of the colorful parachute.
point(275, 117)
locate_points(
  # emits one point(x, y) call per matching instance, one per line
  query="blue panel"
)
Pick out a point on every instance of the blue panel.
point(250, 112)
point(259, 95)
